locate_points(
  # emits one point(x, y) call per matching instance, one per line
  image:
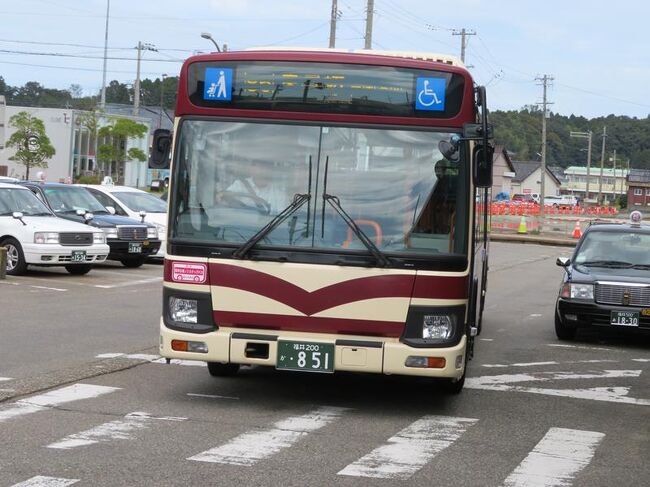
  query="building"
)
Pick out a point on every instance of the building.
point(638, 191)
point(502, 172)
point(528, 179)
point(74, 145)
point(613, 182)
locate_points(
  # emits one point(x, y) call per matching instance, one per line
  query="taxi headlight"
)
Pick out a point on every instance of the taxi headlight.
point(183, 310)
point(99, 238)
point(110, 232)
point(582, 291)
point(162, 230)
point(438, 327)
point(46, 238)
point(152, 232)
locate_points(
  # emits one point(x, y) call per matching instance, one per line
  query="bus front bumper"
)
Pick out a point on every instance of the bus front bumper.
point(351, 353)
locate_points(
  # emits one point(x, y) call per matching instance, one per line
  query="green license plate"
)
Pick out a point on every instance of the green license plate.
point(625, 318)
point(306, 356)
point(135, 248)
point(78, 256)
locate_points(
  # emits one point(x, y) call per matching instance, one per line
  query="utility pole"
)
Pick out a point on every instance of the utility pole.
point(333, 17)
point(463, 33)
point(369, 11)
point(585, 135)
point(102, 101)
point(602, 165)
point(614, 160)
point(162, 98)
point(546, 79)
point(136, 88)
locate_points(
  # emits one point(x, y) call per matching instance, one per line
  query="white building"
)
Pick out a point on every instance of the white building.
point(528, 179)
point(75, 149)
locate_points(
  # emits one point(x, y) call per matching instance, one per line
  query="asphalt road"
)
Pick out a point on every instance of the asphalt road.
point(535, 411)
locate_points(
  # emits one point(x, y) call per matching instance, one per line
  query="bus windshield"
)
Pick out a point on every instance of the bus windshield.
point(233, 178)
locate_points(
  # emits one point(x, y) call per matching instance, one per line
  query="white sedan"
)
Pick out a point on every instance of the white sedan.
point(132, 202)
point(32, 235)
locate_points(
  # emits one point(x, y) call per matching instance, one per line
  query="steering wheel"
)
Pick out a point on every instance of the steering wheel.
point(238, 200)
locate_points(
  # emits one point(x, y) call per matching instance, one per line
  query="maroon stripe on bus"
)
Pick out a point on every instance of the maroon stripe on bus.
point(309, 324)
point(439, 287)
point(309, 303)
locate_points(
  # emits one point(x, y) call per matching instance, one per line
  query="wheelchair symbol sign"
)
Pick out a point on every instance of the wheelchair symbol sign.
point(430, 94)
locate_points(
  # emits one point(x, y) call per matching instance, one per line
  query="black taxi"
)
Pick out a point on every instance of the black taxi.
point(607, 280)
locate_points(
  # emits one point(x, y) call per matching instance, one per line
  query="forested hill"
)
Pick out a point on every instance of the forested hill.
point(519, 131)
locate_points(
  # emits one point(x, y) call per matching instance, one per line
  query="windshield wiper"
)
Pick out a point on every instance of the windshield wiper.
point(298, 201)
point(607, 263)
point(336, 204)
point(641, 266)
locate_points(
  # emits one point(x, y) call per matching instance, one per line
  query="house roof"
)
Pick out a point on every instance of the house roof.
point(639, 176)
point(523, 169)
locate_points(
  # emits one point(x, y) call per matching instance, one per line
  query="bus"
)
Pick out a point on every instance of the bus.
point(326, 213)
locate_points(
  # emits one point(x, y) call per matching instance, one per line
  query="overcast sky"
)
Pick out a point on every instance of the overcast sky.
point(598, 52)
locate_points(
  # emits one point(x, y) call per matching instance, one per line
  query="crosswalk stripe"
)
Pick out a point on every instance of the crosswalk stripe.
point(556, 459)
point(154, 359)
point(115, 430)
point(249, 448)
point(43, 481)
point(54, 398)
point(410, 449)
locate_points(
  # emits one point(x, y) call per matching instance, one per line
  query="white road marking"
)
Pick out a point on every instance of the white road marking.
point(42, 481)
point(109, 355)
point(50, 288)
point(54, 398)
point(128, 283)
point(154, 359)
point(5, 378)
point(552, 362)
point(410, 449)
point(486, 339)
point(9, 283)
point(582, 347)
point(556, 459)
point(249, 448)
point(504, 383)
point(211, 396)
point(120, 429)
point(641, 359)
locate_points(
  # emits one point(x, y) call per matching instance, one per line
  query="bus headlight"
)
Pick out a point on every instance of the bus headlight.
point(183, 310)
point(438, 327)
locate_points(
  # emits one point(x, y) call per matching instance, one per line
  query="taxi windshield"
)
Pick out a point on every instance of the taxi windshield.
point(23, 201)
point(70, 200)
point(614, 249)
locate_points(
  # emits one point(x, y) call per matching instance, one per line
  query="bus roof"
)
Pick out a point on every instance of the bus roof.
point(420, 56)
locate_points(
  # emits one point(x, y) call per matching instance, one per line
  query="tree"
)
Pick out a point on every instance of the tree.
point(33, 147)
point(112, 152)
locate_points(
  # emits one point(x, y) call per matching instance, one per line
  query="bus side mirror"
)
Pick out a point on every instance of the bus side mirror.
point(160, 147)
point(483, 165)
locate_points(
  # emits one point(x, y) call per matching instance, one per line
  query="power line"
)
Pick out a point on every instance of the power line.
point(83, 56)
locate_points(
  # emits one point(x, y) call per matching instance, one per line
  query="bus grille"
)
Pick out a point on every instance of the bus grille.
point(132, 233)
point(76, 239)
point(622, 294)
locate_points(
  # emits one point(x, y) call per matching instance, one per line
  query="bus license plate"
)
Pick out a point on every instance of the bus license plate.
point(625, 318)
point(135, 248)
point(78, 256)
point(306, 356)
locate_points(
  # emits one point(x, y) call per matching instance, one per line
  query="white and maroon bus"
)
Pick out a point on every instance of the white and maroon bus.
point(325, 213)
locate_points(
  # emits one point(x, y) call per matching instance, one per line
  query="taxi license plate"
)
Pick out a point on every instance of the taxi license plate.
point(306, 356)
point(625, 318)
point(78, 256)
point(135, 248)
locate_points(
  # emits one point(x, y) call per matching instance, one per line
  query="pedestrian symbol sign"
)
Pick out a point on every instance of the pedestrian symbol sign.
point(430, 94)
point(218, 84)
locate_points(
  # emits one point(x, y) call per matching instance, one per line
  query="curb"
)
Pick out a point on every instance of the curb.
point(539, 240)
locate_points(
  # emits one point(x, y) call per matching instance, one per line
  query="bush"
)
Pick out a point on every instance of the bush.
point(87, 180)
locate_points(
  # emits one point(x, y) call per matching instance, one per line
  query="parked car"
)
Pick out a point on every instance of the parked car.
point(132, 202)
point(33, 235)
point(607, 280)
point(523, 198)
point(563, 200)
point(130, 241)
point(7, 179)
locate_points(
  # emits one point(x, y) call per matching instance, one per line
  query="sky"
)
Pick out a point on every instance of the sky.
point(597, 51)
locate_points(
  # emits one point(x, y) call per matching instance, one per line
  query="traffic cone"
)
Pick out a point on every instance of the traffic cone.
point(577, 233)
point(522, 225)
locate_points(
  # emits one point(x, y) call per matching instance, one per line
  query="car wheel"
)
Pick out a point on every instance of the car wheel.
point(16, 264)
point(132, 263)
point(78, 270)
point(563, 331)
point(217, 369)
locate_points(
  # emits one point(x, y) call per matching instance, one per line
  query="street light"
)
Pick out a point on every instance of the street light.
point(585, 135)
point(207, 35)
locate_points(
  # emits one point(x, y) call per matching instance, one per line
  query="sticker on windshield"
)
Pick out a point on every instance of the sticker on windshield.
point(218, 84)
point(190, 273)
point(430, 94)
